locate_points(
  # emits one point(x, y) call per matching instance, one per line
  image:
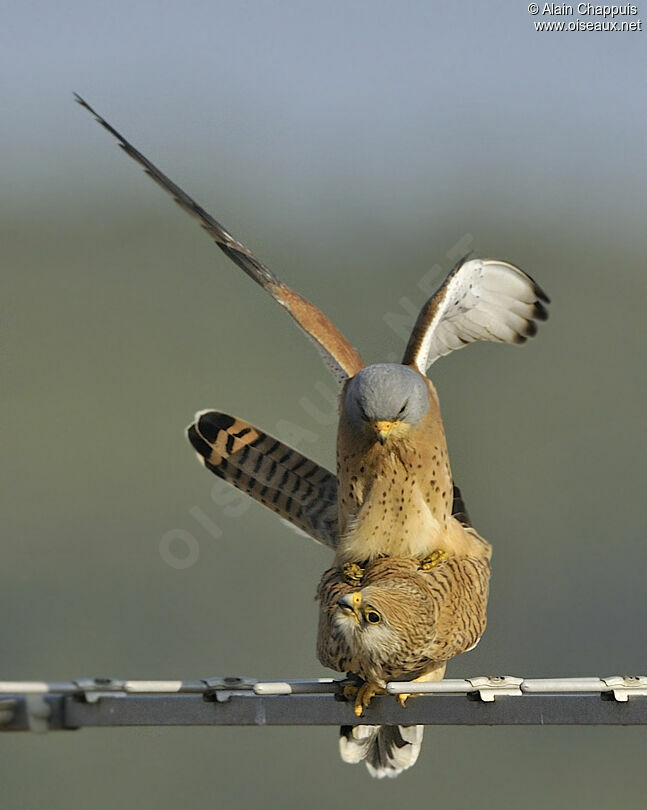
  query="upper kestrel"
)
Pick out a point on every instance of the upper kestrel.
point(394, 478)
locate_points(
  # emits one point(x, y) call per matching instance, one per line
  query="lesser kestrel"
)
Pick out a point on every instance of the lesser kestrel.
point(394, 478)
point(398, 619)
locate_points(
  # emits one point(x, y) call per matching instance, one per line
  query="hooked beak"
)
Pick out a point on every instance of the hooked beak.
point(351, 603)
point(383, 429)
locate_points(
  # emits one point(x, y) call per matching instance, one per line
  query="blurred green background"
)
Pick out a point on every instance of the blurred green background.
point(352, 146)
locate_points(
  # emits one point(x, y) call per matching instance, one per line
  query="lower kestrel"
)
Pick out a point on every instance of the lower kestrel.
point(398, 619)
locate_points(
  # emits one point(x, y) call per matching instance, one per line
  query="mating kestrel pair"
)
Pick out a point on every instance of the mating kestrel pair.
point(409, 584)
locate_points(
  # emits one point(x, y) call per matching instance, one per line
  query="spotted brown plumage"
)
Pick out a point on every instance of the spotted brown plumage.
point(395, 498)
point(288, 483)
point(400, 622)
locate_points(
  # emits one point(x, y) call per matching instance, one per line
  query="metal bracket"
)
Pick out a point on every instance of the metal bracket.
point(492, 687)
point(626, 686)
point(95, 688)
point(221, 689)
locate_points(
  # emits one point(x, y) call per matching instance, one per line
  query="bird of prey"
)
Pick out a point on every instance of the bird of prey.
point(398, 619)
point(408, 587)
point(394, 618)
point(394, 483)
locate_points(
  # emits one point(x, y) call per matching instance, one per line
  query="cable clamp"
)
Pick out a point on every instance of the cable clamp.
point(492, 687)
point(221, 689)
point(626, 686)
point(94, 689)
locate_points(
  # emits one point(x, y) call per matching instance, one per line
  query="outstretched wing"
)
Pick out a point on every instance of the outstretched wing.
point(270, 472)
point(341, 358)
point(298, 489)
point(481, 299)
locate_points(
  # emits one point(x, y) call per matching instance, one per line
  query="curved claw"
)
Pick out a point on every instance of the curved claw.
point(352, 573)
point(404, 696)
point(435, 674)
point(365, 694)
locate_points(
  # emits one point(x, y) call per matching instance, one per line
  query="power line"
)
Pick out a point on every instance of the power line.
point(101, 702)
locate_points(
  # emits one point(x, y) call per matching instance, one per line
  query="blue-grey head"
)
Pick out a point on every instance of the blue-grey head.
point(385, 400)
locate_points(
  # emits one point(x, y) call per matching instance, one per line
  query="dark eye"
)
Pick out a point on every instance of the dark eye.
point(403, 408)
point(372, 617)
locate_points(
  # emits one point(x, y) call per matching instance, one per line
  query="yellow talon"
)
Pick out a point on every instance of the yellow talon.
point(435, 558)
point(352, 573)
point(365, 694)
point(404, 696)
point(361, 693)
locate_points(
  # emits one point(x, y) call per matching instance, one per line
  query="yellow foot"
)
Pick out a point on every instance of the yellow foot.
point(435, 674)
point(435, 558)
point(352, 573)
point(365, 694)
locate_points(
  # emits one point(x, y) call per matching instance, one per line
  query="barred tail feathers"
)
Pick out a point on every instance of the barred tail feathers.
point(296, 488)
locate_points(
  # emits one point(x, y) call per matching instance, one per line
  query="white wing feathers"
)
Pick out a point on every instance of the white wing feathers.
point(481, 299)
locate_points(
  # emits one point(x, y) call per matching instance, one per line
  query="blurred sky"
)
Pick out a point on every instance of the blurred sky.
point(353, 147)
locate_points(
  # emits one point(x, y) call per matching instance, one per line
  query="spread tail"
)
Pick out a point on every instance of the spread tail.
point(386, 750)
point(270, 472)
